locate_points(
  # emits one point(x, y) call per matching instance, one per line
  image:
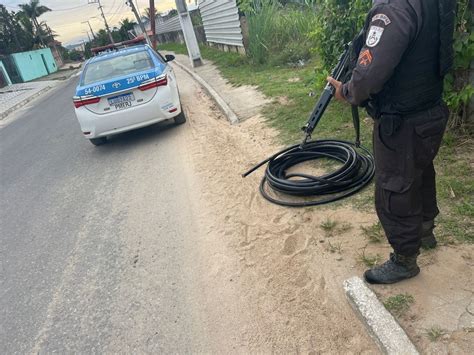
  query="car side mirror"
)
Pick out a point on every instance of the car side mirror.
point(169, 57)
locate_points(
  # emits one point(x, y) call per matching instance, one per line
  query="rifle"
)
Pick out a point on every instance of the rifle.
point(341, 72)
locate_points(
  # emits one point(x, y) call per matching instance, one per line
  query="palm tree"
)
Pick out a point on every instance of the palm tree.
point(148, 14)
point(125, 26)
point(33, 10)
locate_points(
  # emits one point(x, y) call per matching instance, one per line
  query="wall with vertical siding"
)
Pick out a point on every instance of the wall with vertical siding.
point(221, 22)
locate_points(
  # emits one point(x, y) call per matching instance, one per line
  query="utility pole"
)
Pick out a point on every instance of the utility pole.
point(189, 35)
point(139, 21)
point(90, 27)
point(88, 36)
point(152, 23)
point(105, 20)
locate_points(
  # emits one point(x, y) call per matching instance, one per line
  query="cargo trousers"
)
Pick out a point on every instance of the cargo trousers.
point(405, 183)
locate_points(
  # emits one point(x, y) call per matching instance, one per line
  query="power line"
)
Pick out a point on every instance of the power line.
point(103, 16)
point(68, 9)
point(56, 10)
point(119, 10)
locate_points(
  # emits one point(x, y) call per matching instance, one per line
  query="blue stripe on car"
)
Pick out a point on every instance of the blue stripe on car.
point(107, 87)
point(102, 88)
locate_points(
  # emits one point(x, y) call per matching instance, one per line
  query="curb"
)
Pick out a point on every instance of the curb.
point(226, 110)
point(24, 102)
point(382, 327)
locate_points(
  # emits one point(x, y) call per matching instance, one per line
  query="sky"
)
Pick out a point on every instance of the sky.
point(67, 15)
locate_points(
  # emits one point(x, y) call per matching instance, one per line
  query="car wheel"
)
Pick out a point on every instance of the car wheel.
point(98, 141)
point(181, 118)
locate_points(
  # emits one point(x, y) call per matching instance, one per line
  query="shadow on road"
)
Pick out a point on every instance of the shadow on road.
point(139, 137)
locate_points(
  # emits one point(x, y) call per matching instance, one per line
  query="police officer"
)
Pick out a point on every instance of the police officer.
point(406, 52)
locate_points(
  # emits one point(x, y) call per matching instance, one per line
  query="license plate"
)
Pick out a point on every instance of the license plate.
point(122, 105)
point(121, 99)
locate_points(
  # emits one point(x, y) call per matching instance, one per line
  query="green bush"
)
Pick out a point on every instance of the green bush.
point(458, 89)
point(279, 34)
point(338, 22)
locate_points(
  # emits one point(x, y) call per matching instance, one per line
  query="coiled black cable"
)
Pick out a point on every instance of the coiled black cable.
point(356, 172)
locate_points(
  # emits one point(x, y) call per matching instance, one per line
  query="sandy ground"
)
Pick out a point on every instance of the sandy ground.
point(270, 268)
point(283, 272)
point(244, 100)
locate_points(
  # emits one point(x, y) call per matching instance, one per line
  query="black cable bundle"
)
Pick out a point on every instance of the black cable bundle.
point(356, 172)
point(357, 168)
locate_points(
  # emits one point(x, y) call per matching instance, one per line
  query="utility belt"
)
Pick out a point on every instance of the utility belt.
point(391, 122)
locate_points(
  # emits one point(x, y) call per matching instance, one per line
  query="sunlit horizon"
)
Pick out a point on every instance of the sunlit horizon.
point(66, 17)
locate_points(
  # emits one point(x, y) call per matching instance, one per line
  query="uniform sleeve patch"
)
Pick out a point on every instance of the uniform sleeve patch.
point(382, 17)
point(373, 38)
point(365, 58)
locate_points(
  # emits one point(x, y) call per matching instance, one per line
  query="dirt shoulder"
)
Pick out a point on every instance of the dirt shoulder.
point(287, 265)
point(271, 283)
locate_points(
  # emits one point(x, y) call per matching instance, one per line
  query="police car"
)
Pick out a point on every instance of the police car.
point(124, 90)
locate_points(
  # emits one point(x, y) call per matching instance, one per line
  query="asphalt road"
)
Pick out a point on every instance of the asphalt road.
point(96, 243)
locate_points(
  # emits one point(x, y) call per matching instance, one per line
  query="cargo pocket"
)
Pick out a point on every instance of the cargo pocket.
point(390, 152)
point(399, 196)
point(428, 137)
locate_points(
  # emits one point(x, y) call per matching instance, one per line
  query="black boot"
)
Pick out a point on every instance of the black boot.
point(428, 240)
point(397, 268)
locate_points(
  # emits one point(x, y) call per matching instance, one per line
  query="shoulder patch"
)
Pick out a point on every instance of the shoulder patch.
point(365, 58)
point(374, 35)
point(382, 17)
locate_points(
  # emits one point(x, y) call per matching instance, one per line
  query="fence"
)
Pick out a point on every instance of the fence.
point(169, 30)
point(34, 64)
point(221, 22)
point(170, 25)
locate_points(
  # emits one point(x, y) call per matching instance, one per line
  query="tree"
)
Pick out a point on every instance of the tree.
point(13, 36)
point(147, 13)
point(33, 10)
point(74, 55)
point(173, 13)
point(125, 26)
point(102, 38)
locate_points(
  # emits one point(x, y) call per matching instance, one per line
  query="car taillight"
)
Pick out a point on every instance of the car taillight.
point(154, 84)
point(78, 102)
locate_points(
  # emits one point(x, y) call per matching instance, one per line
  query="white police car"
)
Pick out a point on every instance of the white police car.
point(125, 90)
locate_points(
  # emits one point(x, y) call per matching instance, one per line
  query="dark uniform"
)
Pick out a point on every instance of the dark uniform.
point(399, 79)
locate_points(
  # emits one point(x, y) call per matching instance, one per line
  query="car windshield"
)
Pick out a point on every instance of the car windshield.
point(120, 65)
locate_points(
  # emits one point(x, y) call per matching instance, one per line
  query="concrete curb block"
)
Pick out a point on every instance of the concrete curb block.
point(382, 327)
point(226, 110)
point(24, 102)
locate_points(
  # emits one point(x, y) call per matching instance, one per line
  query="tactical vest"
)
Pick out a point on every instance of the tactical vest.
point(417, 82)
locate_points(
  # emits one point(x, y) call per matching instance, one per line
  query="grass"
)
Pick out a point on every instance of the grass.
point(345, 227)
point(295, 84)
point(280, 35)
point(399, 304)
point(334, 248)
point(369, 260)
point(331, 227)
point(454, 163)
point(434, 333)
point(455, 186)
point(328, 225)
point(374, 233)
